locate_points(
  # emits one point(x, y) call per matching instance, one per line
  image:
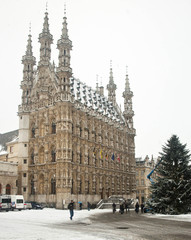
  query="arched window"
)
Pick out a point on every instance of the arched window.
point(80, 132)
point(88, 187)
point(53, 156)
point(32, 186)
point(53, 186)
point(80, 158)
point(72, 189)
point(53, 127)
point(80, 187)
point(32, 157)
point(72, 156)
point(8, 189)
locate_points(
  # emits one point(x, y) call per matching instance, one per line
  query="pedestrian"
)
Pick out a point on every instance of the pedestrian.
point(137, 208)
point(89, 206)
point(122, 208)
point(71, 209)
point(114, 207)
point(80, 205)
point(126, 206)
point(142, 207)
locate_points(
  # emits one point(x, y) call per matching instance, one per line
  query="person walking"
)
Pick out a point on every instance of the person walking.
point(126, 206)
point(114, 207)
point(122, 208)
point(71, 209)
point(89, 206)
point(137, 208)
point(142, 207)
point(80, 205)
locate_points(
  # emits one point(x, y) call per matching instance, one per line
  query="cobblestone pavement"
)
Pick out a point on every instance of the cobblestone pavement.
point(131, 226)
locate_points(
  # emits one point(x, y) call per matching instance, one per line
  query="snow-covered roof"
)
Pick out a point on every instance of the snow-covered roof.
point(15, 139)
point(3, 152)
point(93, 100)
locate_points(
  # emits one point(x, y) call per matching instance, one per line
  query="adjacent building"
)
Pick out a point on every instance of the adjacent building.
point(143, 168)
point(9, 169)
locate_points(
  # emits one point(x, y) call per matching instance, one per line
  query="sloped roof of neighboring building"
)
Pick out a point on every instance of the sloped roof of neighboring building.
point(7, 137)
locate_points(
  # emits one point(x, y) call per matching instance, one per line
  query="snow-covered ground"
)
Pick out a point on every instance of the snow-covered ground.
point(181, 217)
point(39, 224)
point(49, 224)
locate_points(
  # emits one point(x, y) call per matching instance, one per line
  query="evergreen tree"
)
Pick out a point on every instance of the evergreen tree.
point(171, 191)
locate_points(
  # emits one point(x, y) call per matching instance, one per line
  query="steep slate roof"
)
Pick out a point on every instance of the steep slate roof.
point(91, 99)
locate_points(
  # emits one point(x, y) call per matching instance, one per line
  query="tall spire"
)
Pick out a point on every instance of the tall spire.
point(28, 61)
point(45, 39)
point(64, 46)
point(111, 87)
point(127, 86)
point(128, 106)
point(64, 29)
point(29, 44)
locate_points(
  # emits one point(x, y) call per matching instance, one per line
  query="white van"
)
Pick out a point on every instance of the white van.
point(17, 202)
point(5, 203)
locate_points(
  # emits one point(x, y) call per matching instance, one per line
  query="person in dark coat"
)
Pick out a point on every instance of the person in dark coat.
point(80, 205)
point(71, 209)
point(137, 208)
point(89, 206)
point(122, 208)
point(142, 207)
point(114, 207)
point(126, 206)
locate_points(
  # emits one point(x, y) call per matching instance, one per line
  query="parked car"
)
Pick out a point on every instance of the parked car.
point(27, 205)
point(36, 205)
point(5, 203)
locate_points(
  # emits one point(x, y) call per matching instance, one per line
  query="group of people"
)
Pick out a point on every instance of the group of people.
point(137, 207)
point(124, 207)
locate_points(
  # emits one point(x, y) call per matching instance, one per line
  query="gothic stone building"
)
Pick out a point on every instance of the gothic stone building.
point(74, 143)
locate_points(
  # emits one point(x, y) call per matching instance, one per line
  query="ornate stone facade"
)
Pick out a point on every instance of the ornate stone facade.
point(77, 143)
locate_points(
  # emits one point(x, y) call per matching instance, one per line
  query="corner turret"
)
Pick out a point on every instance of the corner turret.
point(28, 61)
point(64, 71)
point(128, 106)
point(111, 87)
point(45, 39)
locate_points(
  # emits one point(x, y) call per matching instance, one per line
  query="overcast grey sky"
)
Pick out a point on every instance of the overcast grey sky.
point(152, 37)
